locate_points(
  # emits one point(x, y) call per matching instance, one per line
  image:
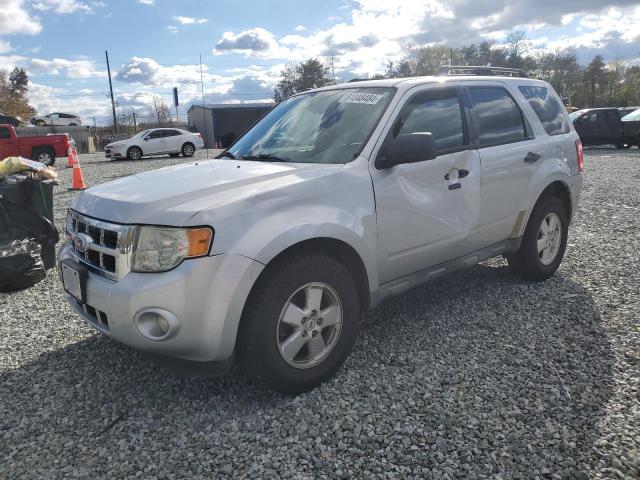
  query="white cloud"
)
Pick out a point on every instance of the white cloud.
point(14, 18)
point(147, 2)
point(190, 20)
point(5, 47)
point(172, 29)
point(71, 68)
point(64, 6)
point(256, 42)
point(300, 28)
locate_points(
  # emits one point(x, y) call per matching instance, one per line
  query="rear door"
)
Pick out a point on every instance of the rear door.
point(173, 140)
point(502, 136)
point(426, 210)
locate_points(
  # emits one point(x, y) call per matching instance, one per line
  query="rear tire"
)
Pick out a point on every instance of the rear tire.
point(44, 155)
point(41, 123)
point(134, 153)
point(543, 243)
point(188, 149)
point(300, 323)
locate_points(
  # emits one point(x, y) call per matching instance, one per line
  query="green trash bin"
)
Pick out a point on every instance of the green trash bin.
point(37, 196)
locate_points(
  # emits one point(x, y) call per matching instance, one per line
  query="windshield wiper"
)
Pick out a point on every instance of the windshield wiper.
point(266, 157)
point(227, 154)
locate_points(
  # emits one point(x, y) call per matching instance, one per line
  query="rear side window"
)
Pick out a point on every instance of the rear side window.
point(442, 116)
point(171, 133)
point(497, 116)
point(547, 108)
point(4, 133)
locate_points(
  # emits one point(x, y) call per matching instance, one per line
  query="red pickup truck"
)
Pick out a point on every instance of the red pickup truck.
point(44, 149)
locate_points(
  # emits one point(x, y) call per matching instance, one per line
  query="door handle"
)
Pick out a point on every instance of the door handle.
point(532, 158)
point(461, 173)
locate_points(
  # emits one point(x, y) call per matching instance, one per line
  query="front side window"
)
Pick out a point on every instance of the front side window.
point(156, 134)
point(548, 109)
point(496, 116)
point(440, 114)
point(329, 126)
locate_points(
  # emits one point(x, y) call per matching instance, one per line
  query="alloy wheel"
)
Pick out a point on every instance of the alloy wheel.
point(549, 238)
point(309, 325)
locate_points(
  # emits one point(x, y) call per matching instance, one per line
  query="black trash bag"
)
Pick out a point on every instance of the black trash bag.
point(20, 265)
point(23, 233)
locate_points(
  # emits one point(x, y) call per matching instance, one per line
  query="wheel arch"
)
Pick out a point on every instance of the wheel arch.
point(560, 190)
point(333, 247)
point(43, 148)
point(134, 146)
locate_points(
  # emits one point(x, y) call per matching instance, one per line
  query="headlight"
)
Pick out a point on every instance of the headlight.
point(158, 249)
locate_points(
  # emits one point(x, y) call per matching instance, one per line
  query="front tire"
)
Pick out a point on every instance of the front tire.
point(188, 150)
point(134, 153)
point(544, 241)
point(300, 323)
point(41, 123)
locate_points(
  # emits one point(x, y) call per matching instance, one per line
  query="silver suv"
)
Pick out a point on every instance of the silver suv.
point(337, 199)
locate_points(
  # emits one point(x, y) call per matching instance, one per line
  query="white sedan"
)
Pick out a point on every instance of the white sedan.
point(155, 141)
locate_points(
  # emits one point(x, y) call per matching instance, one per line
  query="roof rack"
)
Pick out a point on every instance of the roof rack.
point(452, 70)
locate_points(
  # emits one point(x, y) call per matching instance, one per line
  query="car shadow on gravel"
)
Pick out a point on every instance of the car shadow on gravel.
point(480, 365)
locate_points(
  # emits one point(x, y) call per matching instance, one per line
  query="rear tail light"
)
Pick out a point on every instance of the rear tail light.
point(200, 135)
point(579, 155)
point(65, 143)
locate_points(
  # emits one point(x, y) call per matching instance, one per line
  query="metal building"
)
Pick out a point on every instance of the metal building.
point(221, 124)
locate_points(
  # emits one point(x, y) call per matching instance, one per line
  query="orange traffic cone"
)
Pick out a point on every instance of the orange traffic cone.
point(72, 157)
point(78, 180)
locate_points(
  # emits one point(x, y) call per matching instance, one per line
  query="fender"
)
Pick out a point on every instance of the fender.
point(552, 170)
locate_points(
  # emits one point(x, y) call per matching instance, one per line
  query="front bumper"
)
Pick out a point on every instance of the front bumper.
point(206, 295)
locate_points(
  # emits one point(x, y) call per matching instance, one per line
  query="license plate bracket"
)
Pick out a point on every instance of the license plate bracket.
point(74, 279)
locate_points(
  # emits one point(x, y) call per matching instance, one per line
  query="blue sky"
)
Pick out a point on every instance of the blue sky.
point(154, 44)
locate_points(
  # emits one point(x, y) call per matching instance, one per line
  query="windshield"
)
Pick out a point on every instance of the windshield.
point(632, 117)
point(576, 114)
point(330, 126)
point(141, 134)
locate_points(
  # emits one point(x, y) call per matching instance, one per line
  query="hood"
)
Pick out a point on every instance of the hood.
point(172, 195)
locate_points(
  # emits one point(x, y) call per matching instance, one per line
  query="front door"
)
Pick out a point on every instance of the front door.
point(155, 142)
point(8, 145)
point(427, 210)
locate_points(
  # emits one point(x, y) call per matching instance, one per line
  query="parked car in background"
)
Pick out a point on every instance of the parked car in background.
point(335, 200)
point(55, 119)
point(155, 141)
point(604, 126)
point(44, 149)
point(627, 110)
point(11, 120)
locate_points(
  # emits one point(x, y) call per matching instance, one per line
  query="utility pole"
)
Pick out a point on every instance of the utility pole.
point(135, 125)
point(113, 103)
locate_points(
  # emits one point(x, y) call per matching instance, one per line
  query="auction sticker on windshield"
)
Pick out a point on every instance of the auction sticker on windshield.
point(367, 98)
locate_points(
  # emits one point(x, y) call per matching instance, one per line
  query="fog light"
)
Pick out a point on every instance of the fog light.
point(156, 324)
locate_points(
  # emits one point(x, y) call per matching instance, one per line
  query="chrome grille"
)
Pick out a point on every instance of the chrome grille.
point(105, 248)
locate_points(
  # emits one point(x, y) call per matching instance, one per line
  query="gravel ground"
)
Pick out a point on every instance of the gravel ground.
point(481, 375)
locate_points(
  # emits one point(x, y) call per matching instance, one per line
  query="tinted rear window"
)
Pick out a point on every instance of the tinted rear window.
point(547, 108)
point(498, 118)
point(4, 133)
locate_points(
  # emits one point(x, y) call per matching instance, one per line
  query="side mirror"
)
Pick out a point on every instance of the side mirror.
point(408, 148)
point(146, 138)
